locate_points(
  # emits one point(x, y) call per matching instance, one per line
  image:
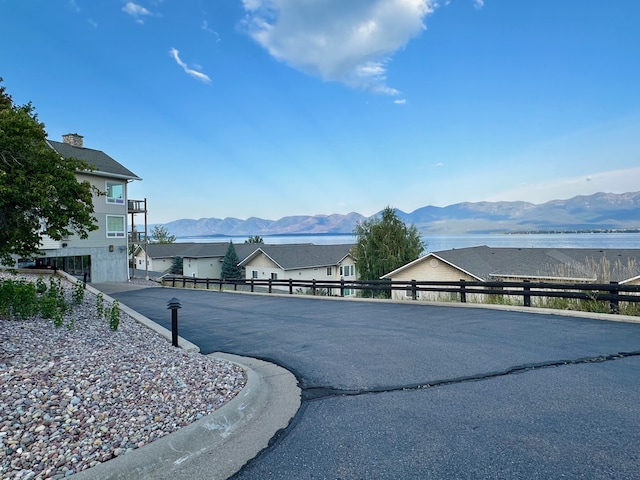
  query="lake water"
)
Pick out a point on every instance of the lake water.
point(436, 243)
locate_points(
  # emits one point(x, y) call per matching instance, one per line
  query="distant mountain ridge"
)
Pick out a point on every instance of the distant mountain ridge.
point(598, 211)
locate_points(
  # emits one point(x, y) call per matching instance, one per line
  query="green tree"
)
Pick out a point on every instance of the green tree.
point(39, 191)
point(176, 266)
point(160, 234)
point(230, 268)
point(383, 244)
point(254, 239)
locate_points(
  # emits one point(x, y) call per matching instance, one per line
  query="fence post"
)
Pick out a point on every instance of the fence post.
point(313, 287)
point(270, 284)
point(614, 303)
point(252, 286)
point(527, 293)
point(291, 286)
point(463, 292)
point(414, 293)
point(342, 287)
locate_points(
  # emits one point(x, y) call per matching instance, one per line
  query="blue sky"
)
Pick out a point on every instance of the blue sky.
point(270, 108)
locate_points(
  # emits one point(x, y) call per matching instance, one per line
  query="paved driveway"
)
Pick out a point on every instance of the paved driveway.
point(402, 391)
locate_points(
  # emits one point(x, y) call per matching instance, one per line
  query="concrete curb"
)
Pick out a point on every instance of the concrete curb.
point(217, 446)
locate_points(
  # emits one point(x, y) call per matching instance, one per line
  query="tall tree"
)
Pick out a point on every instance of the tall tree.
point(384, 243)
point(39, 191)
point(160, 234)
point(230, 268)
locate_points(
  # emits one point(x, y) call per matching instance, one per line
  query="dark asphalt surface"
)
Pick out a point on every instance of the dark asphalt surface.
point(403, 391)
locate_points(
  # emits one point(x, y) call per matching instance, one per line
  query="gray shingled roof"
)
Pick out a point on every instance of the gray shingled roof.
point(294, 256)
point(102, 162)
point(289, 256)
point(577, 263)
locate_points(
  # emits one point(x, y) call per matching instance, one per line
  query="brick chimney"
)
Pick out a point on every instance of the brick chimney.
point(73, 139)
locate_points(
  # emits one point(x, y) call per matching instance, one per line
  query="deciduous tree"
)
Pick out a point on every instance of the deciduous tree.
point(384, 243)
point(39, 191)
point(160, 234)
point(254, 239)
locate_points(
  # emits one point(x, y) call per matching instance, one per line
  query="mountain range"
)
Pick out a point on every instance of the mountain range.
point(600, 211)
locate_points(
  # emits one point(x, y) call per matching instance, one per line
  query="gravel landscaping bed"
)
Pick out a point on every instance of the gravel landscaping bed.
point(81, 394)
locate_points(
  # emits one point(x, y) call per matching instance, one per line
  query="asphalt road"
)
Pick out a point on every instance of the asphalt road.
point(405, 390)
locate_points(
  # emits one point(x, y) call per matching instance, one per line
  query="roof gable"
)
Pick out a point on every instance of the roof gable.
point(299, 256)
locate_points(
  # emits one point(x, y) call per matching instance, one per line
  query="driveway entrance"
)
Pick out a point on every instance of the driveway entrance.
point(408, 390)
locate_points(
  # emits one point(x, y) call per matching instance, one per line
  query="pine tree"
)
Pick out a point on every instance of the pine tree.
point(230, 268)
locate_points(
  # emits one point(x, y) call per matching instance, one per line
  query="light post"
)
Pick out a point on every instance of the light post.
point(174, 305)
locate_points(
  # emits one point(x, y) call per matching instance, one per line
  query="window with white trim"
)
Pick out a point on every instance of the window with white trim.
point(274, 276)
point(254, 274)
point(115, 192)
point(329, 271)
point(115, 226)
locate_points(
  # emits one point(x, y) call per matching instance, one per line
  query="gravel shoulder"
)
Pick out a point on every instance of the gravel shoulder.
point(79, 395)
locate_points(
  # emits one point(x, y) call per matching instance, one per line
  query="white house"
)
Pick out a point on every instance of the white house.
point(302, 262)
point(103, 255)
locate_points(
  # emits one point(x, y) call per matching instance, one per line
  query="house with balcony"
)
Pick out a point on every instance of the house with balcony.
point(103, 256)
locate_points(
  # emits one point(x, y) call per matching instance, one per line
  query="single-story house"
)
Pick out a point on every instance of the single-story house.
point(483, 264)
point(301, 262)
point(204, 260)
point(159, 256)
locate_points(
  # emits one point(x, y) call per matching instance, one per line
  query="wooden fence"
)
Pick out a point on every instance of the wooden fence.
point(612, 293)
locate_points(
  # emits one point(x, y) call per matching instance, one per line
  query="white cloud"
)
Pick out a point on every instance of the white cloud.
point(346, 41)
point(136, 11)
point(439, 165)
point(205, 26)
point(478, 3)
point(400, 101)
point(194, 73)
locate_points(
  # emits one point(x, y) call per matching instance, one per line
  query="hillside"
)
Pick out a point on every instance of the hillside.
point(597, 211)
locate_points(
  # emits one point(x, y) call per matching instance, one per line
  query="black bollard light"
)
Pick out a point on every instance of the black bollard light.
point(174, 305)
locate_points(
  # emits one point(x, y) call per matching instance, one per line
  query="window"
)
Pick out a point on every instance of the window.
point(115, 193)
point(115, 226)
point(274, 276)
point(254, 274)
point(347, 270)
point(329, 271)
point(341, 270)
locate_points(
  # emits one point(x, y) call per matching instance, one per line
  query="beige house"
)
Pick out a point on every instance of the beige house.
point(302, 262)
point(483, 264)
point(103, 255)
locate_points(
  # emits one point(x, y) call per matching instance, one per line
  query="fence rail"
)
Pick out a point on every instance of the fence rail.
point(613, 293)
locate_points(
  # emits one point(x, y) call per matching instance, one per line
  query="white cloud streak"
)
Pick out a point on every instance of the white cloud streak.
point(138, 12)
point(194, 73)
point(346, 41)
point(478, 3)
